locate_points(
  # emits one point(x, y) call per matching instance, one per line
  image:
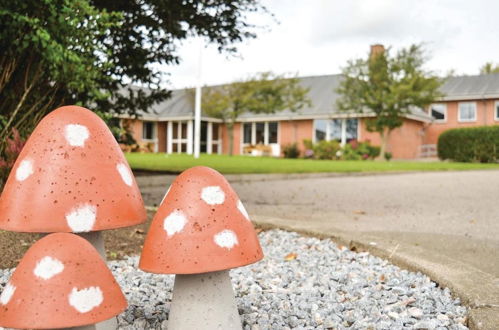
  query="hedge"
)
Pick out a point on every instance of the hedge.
point(471, 144)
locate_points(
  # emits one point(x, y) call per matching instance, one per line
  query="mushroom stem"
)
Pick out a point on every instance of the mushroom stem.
point(95, 238)
point(110, 324)
point(204, 301)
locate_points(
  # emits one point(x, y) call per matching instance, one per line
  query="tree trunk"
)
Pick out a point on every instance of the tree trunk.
point(385, 134)
point(230, 130)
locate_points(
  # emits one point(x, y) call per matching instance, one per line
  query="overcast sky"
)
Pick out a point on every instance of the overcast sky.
point(317, 37)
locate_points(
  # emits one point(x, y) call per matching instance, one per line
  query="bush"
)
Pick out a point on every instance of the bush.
point(291, 151)
point(14, 145)
point(388, 156)
point(471, 144)
point(359, 151)
point(326, 149)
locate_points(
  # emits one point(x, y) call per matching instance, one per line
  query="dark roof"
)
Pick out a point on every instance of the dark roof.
point(323, 98)
point(471, 87)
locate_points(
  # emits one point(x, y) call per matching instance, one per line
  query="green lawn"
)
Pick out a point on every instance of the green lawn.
point(246, 164)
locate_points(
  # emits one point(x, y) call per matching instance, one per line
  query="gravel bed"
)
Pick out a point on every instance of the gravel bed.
point(304, 283)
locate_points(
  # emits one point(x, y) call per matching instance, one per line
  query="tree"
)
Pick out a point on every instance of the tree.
point(489, 67)
point(387, 87)
point(91, 52)
point(263, 93)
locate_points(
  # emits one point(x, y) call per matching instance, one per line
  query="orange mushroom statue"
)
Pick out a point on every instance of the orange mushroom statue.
point(201, 230)
point(60, 282)
point(71, 176)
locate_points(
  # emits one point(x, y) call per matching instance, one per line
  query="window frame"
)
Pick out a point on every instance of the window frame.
point(445, 113)
point(496, 108)
point(461, 120)
point(153, 130)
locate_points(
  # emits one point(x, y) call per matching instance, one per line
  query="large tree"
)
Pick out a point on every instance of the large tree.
point(262, 93)
point(387, 87)
point(489, 67)
point(90, 52)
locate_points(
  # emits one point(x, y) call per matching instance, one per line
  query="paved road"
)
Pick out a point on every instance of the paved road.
point(454, 213)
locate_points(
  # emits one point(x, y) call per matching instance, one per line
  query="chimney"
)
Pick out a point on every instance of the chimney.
point(377, 49)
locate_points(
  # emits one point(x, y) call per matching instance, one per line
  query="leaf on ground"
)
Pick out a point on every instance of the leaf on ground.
point(290, 256)
point(359, 212)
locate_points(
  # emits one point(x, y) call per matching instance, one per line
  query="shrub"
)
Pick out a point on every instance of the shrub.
point(326, 149)
point(357, 151)
point(471, 144)
point(14, 145)
point(388, 156)
point(291, 151)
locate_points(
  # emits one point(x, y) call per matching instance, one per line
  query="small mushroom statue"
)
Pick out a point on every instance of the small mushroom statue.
point(201, 230)
point(60, 282)
point(71, 176)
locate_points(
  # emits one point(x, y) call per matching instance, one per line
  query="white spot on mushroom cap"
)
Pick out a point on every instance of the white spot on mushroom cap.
point(213, 195)
point(48, 267)
point(24, 170)
point(82, 218)
point(170, 187)
point(76, 134)
point(242, 209)
point(86, 299)
point(175, 222)
point(125, 173)
point(7, 294)
point(226, 239)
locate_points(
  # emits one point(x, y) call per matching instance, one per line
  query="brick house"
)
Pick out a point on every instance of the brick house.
point(468, 101)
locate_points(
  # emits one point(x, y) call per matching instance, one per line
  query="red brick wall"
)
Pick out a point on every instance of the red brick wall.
point(485, 116)
point(135, 127)
point(292, 131)
point(404, 142)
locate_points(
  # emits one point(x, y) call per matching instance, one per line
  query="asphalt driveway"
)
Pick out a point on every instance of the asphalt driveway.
point(454, 213)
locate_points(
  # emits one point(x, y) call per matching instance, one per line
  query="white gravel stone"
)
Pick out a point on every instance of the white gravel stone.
point(324, 287)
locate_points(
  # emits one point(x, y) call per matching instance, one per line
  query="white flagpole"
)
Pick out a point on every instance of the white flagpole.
point(197, 105)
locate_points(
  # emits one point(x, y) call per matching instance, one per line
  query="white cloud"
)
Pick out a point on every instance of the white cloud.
point(318, 37)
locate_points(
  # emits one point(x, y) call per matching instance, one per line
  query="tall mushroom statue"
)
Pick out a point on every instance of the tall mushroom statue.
point(60, 282)
point(201, 230)
point(71, 176)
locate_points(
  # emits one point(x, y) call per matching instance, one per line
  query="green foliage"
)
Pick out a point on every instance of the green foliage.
point(471, 144)
point(387, 87)
point(53, 53)
point(263, 93)
point(14, 145)
point(326, 149)
point(489, 67)
point(359, 151)
point(388, 156)
point(291, 151)
point(94, 53)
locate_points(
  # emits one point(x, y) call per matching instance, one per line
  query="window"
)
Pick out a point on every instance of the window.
point(332, 129)
point(335, 130)
point(247, 133)
point(438, 112)
point(320, 129)
point(273, 132)
point(260, 133)
point(147, 130)
point(352, 128)
point(467, 111)
point(496, 110)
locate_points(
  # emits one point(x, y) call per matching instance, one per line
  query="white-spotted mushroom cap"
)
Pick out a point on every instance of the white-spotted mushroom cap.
point(60, 282)
point(201, 226)
point(71, 176)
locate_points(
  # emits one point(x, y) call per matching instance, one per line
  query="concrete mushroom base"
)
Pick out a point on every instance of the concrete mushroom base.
point(111, 324)
point(204, 301)
point(95, 238)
